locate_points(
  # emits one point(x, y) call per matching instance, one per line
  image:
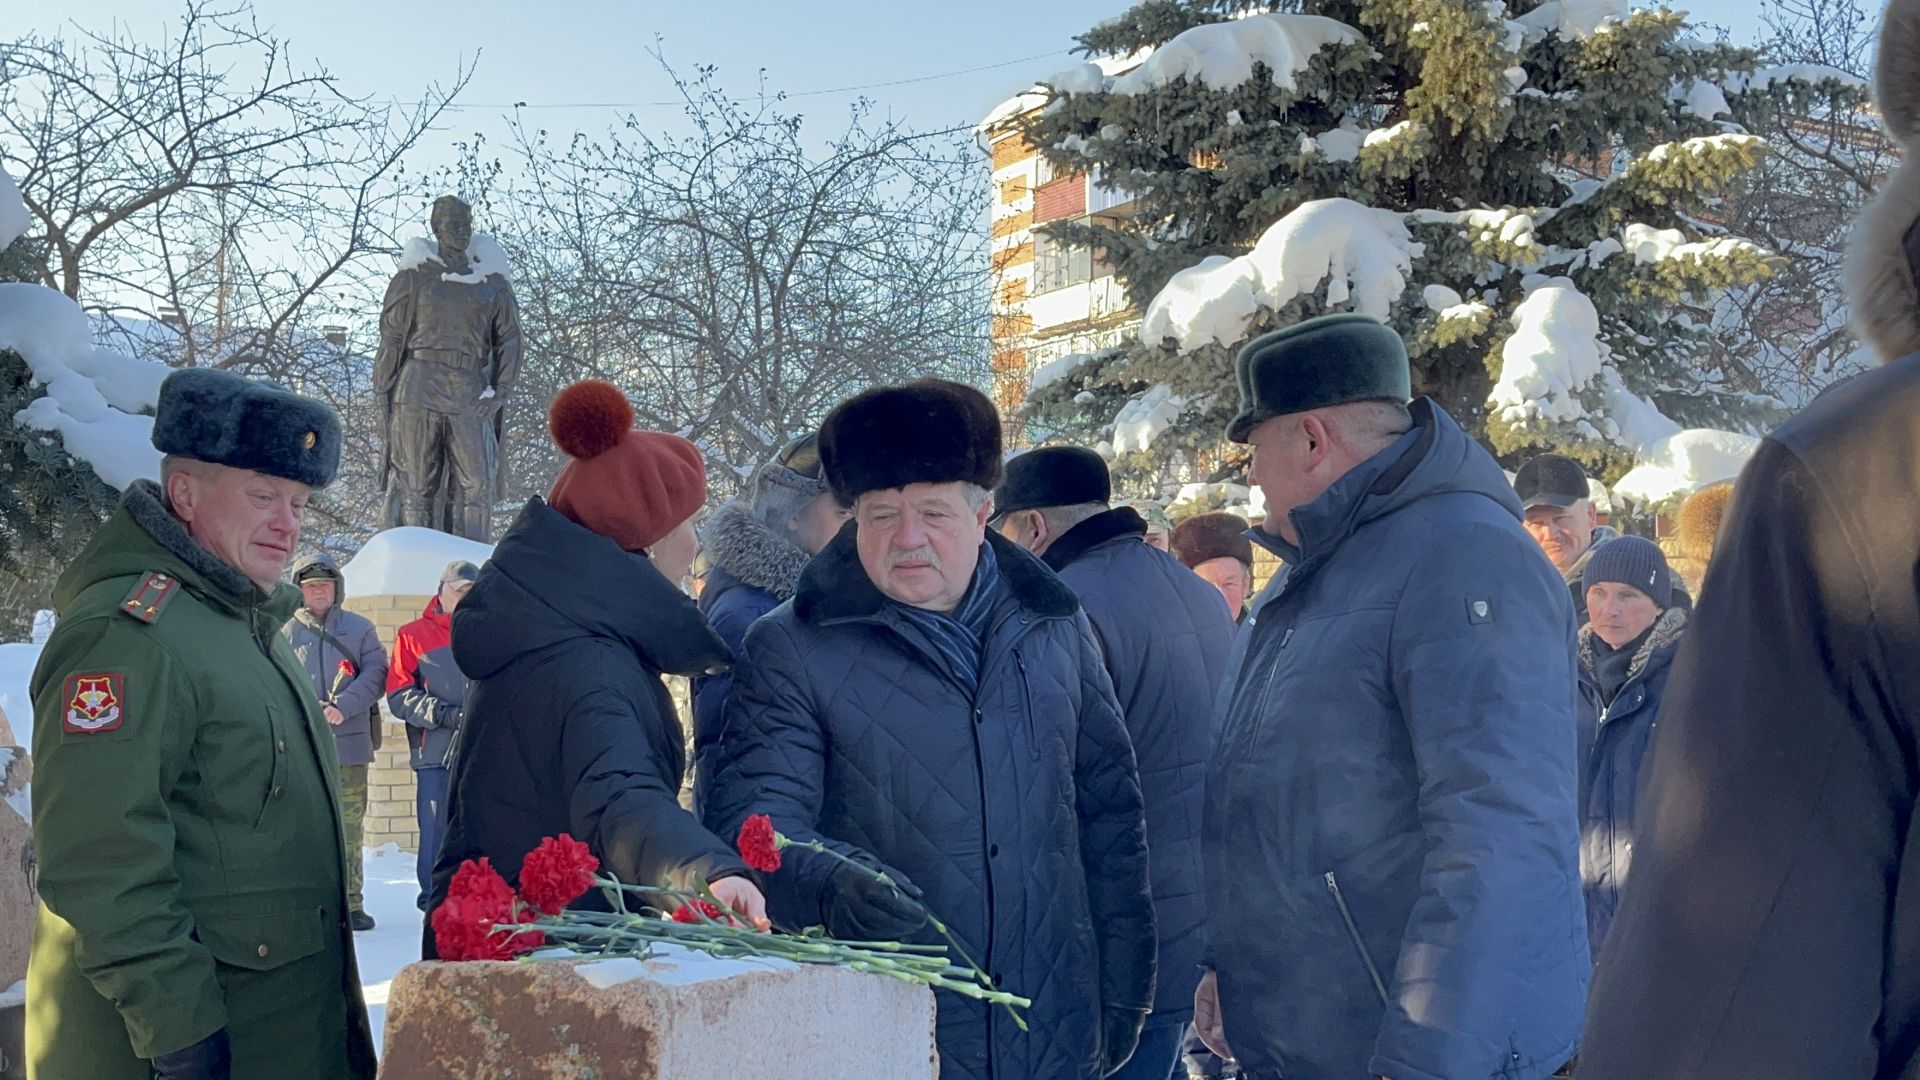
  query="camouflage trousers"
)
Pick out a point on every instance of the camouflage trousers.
point(353, 817)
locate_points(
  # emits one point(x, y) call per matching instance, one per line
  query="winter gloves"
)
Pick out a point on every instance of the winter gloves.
point(1120, 1029)
point(209, 1059)
point(858, 908)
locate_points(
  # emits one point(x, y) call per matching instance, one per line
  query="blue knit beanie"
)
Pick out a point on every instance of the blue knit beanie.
point(1635, 561)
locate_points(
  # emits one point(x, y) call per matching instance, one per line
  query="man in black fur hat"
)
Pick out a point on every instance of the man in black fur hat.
point(932, 702)
point(193, 917)
point(1165, 638)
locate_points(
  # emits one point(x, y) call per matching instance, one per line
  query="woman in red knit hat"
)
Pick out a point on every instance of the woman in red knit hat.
point(566, 636)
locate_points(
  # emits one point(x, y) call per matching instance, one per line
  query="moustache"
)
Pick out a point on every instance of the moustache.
point(918, 555)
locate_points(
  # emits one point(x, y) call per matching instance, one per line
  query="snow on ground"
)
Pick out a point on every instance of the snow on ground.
point(408, 561)
point(394, 941)
point(1220, 55)
point(1683, 463)
point(483, 252)
point(1360, 253)
point(93, 394)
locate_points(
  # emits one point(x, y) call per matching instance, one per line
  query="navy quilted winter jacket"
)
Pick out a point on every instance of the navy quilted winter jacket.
point(1392, 839)
point(1165, 636)
point(1018, 813)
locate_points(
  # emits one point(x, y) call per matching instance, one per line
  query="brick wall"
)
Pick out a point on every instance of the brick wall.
point(390, 815)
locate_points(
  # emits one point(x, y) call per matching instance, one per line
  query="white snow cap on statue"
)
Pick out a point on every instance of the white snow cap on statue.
point(1220, 55)
point(1363, 255)
point(93, 395)
point(484, 254)
point(408, 561)
point(1685, 462)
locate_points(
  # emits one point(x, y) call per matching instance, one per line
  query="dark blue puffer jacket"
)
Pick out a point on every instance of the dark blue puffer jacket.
point(1165, 637)
point(753, 571)
point(1017, 811)
point(1392, 840)
point(1613, 745)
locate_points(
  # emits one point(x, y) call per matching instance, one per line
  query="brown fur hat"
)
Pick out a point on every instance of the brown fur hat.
point(1879, 273)
point(1204, 537)
point(1698, 525)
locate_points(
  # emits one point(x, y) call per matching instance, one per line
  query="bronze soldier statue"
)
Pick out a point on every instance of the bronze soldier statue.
point(449, 352)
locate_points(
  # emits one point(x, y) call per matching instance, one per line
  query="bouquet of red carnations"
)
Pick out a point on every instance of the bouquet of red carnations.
point(484, 918)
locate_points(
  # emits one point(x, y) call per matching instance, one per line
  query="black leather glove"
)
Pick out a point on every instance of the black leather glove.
point(859, 908)
point(1119, 1035)
point(209, 1059)
point(450, 718)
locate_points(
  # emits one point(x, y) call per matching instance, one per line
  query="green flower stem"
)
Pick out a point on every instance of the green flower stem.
point(782, 842)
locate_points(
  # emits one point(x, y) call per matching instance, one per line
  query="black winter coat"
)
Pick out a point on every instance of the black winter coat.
point(1017, 811)
point(1165, 637)
point(569, 728)
point(1774, 918)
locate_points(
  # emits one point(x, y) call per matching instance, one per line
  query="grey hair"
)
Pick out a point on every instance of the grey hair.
point(977, 496)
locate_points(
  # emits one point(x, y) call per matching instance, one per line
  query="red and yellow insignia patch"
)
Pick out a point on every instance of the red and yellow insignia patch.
point(95, 703)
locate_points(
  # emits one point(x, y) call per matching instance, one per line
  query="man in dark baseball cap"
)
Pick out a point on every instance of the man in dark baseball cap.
point(1554, 492)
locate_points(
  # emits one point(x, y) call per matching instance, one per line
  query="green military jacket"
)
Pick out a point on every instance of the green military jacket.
point(185, 824)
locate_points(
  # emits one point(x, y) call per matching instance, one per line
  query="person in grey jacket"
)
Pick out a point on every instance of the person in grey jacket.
point(347, 666)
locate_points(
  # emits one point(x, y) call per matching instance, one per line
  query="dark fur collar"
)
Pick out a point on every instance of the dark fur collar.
point(1091, 533)
point(835, 586)
point(739, 544)
point(1666, 631)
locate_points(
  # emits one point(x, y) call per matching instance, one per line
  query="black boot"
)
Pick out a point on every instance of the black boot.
point(359, 920)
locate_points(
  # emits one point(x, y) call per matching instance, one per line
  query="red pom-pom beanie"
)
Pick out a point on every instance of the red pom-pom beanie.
point(632, 487)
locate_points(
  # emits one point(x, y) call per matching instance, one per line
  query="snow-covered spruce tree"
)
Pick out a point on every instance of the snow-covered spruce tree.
point(50, 504)
point(1529, 196)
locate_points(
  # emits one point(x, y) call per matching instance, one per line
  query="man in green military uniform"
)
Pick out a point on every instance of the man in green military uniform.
point(193, 913)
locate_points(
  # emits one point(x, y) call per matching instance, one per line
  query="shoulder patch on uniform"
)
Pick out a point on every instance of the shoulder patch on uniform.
point(1480, 610)
point(150, 598)
point(96, 703)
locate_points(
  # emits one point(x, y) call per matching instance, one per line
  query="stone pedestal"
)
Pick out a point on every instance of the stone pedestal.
point(661, 1019)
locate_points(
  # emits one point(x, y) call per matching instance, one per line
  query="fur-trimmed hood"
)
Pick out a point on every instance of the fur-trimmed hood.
point(1880, 287)
point(738, 543)
point(1667, 630)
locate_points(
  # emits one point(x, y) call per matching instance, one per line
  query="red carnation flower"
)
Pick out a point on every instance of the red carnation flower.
point(347, 669)
point(557, 873)
point(477, 900)
point(691, 911)
point(759, 844)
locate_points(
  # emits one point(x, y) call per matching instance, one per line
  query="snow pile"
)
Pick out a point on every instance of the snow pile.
point(1141, 420)
point(1362, 254)
point(14, 218)
point(1339, 144)
point(17, 661)
point(1488, 226)
point(1387, 134)
point(1702, 99)
point(1053, 371)
point(484, 255)
point(408, 561)
point(1574, 19)
point(1684, 462)
point(1192, 499)
point(1596, 494)
point(1220, 55)
point(1703, 144)
point(93, 394)
point(1555, 350)
point(1649, 244)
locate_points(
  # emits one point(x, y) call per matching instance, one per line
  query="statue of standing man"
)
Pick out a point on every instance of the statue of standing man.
point(449, 352)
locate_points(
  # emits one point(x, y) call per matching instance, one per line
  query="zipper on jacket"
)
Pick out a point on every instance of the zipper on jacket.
point(1353, 931)
point(1026, 688)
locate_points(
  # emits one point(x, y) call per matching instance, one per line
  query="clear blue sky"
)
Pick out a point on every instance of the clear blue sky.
point(568, 51)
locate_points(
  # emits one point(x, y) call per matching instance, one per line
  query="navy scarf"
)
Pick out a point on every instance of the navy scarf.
point(958, 638)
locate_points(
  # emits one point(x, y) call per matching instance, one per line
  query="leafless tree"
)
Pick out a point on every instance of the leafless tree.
point(739, 280)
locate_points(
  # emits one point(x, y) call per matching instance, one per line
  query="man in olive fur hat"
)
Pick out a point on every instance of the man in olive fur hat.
point(1403, 698)
point(193, 915)
point(932, 702)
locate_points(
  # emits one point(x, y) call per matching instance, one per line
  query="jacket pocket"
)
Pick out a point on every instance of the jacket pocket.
point(1028, 705)
point(1353, 933)
point(279, 744)
point(265, 942)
